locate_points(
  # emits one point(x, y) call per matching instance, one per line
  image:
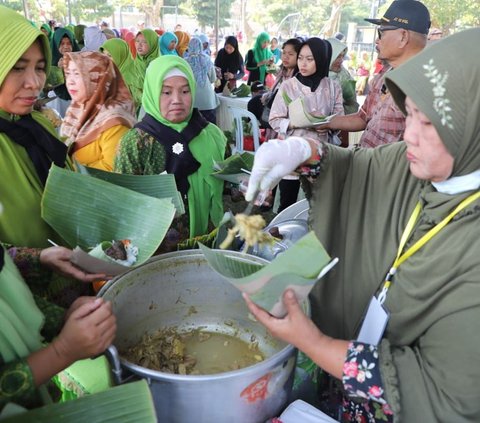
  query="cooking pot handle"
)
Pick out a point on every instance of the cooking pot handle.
point(114, 359)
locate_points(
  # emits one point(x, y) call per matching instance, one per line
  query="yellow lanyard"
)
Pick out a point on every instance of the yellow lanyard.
point(421, 242)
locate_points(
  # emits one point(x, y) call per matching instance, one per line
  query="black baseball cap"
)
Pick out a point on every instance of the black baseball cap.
point(407, 14)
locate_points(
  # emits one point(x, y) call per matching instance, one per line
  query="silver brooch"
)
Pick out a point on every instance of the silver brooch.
point(177, 148)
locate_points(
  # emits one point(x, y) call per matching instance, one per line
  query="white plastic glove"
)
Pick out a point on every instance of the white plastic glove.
point(274, 160)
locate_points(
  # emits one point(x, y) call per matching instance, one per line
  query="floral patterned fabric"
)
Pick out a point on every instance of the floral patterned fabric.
point(17, 385)
point(363, 385)
point(53, 288)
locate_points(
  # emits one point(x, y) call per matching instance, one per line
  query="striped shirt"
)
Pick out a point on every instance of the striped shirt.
point(385, 123)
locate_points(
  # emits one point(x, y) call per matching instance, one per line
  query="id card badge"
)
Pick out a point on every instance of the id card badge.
point(374, 323)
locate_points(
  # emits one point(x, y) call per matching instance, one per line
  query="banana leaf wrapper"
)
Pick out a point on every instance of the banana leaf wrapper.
point(301, 118)
point(128, 403)
point(86, 211)
point(297, 268)
point(230, 169)
point(158, 186)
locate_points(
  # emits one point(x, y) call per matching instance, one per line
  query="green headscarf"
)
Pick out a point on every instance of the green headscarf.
point(120, 53)
point(16, 36)
point(47, 28)
point(205, 201)
point(57, 39)
point(261, 54)
point(122, 57)
point(446, 93)
point(337, 48)
point(140, 64)
point(71, 28)
point(156, 73)
point(79, 32)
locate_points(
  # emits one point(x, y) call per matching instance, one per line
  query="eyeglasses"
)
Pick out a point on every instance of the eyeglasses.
point(382, 29)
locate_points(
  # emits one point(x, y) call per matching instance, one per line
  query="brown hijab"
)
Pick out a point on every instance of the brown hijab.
point(183, 40)
point(108, 103)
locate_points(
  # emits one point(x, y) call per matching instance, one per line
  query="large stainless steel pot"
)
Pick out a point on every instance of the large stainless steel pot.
point(161, 293)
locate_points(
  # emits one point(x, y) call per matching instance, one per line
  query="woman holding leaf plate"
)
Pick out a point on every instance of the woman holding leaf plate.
point(28, 147)
point(302, 102)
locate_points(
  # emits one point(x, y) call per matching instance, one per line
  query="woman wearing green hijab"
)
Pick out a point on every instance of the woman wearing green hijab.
point(174, 137)
point(119, 51)
point(146, 45)
point(63, 41)
point(258, 58)
point(26, 361)
point(79, 32)
point(28, 147)
point(404, 220)
point(45, 28)
point(28, 142)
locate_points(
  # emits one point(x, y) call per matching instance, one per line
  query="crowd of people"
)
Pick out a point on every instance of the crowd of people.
point(400, 209)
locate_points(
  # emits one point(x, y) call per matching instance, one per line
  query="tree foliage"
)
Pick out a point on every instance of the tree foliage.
point(449, 15)
point(204, 12)
point(90, 10)
point(454, 15)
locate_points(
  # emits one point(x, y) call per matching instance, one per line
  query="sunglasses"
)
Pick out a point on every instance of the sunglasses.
point(382, 29)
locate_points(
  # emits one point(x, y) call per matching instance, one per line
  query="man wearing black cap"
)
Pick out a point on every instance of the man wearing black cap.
point(401, 34)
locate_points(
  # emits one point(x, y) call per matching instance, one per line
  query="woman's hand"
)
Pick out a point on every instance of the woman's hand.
point(320, 129)
point(295, 328)
point(58, 259)
point(299, 330)
point(77, 304)
point(88, 331)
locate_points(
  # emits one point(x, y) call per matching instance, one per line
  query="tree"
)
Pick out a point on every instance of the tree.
point(454, 15)
point(90, 10)
point(204, 12)
point(151, 8)
point(27, 7)
point(332, 25)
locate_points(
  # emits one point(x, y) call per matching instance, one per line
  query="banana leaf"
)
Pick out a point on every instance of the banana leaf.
point(230, 170)
point(86, 211)
point(128, 403)
point(297, 268)
point(158, 186)
point(301, 118)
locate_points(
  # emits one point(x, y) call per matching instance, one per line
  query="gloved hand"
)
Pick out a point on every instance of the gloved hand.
point(274, 160)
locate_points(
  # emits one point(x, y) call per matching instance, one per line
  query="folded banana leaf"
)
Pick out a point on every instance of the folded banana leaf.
point(86, 211)
point(158, 186)
point(128, 403)
point(300, 117)
point(231, 169)
point(298, 268)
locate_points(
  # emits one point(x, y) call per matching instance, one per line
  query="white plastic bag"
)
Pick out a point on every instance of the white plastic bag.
point(300, 411)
